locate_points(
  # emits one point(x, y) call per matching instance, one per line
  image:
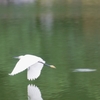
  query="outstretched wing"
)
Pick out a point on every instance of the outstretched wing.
point(34, 71)
point(21, 65)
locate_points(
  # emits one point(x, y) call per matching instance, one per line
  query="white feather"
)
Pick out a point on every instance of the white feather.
point(33, 72)
point(31, 63)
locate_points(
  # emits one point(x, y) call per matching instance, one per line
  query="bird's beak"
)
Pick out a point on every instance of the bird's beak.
point(52, 66)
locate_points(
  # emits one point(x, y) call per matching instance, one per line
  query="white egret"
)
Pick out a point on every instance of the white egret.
point(32, 63)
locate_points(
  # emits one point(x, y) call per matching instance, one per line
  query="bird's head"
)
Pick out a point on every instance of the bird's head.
point(52, 66)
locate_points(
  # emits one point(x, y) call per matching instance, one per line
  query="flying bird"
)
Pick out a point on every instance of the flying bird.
point(32, 63)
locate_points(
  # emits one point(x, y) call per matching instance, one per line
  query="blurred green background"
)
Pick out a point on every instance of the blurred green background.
point(65, 33)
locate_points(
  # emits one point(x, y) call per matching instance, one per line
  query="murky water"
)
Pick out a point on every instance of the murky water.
point(65, 35)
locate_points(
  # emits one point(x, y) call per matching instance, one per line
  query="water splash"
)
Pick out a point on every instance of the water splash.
point(84, 70)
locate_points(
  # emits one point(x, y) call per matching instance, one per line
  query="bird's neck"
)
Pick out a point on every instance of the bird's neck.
point(41, 62)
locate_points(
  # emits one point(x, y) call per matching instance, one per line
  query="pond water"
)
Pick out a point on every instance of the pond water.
point(65, 35)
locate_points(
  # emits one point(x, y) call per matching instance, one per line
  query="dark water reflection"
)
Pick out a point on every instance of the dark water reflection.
point(66, 36)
